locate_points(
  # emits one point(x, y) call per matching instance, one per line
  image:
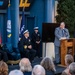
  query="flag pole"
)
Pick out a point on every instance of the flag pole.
point(9, 3)
point(22, 26)
point(8, 24)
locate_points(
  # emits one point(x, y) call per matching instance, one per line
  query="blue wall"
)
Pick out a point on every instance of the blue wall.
point(37, 13)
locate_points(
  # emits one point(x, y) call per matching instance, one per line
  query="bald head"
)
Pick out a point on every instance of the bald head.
point(38, 70)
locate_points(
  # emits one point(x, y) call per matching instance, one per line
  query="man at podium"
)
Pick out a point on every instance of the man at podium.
point(60, 33)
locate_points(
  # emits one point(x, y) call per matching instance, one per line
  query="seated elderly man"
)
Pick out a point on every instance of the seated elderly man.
point(25, 66)
point(38, 70)
point(25, 47)
point(72, 68)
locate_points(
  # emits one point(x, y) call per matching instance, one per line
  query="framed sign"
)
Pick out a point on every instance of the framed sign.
point(22, 3)
point(25, 3)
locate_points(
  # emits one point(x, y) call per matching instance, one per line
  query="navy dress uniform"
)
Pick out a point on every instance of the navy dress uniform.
point(24, 43)
point(36, 41)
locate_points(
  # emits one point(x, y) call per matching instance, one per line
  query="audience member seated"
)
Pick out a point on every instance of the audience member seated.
point(3, 55)
point(38, 70)
point(48, 64)
point(25, 66)
point(68, 60)
point(3, 68)
point(16, 72)
point(72, 68)
point(64, 73)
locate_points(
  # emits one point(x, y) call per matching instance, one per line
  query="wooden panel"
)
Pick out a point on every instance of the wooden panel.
point(67, 47)
point(70, 44)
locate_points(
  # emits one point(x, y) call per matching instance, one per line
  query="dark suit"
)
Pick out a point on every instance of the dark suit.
point(27, 73)
point(25, 51)
point(36, 37)
point(50, 72)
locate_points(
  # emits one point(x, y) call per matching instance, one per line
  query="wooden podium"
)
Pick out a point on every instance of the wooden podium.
point(67, 47)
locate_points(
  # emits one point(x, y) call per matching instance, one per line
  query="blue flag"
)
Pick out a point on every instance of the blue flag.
point(8, 25)
point(22, 27)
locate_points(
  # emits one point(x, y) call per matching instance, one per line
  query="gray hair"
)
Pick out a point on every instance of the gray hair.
point(38, 70)
point(16, 72)
point(25, 65)
point(69, 59)
point(48, 64)
point(72, 68)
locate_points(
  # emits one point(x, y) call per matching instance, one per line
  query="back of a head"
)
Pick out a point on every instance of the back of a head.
point(38, 70)
point(48, 64)
point(3, 68)
point(25, 65)
point(69, 59)
point(16, 72)
point(72, 68)
point(64, 73)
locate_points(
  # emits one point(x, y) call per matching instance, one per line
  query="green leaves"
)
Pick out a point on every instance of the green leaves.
point(66, 13)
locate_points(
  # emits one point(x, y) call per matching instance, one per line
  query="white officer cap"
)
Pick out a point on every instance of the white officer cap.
point(16, 72)
point(36, 28)
point(26, 31)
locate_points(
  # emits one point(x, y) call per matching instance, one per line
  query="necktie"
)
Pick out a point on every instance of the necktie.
point(63, 33)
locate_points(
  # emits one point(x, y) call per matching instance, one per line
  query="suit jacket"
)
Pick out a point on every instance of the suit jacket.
point(27, 73)
point(50, 72)
point(59, 34)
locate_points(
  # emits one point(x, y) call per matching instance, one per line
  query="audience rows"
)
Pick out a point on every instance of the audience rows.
point(46, 67)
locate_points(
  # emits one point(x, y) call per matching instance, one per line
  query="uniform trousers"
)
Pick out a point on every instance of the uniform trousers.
point(28, 53)
point(37, 48)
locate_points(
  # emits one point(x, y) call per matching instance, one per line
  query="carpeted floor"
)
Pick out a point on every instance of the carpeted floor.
point(59, 69)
